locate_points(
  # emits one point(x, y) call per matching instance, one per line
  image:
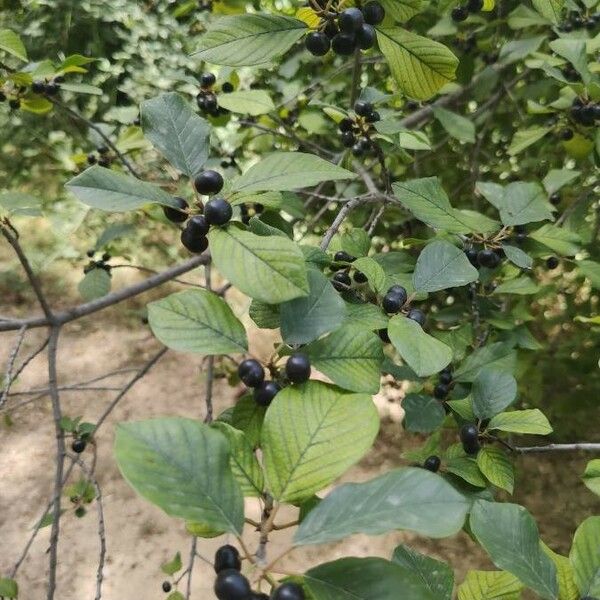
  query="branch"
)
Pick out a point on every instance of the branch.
point(339, 219)
point(583, 446)
point(88, 308)
point(8, 376)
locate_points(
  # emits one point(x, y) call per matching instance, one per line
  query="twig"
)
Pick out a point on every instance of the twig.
point(8, 376)
point(339, 219)
point(355, 77)
point(190, 568)
point(583, 446)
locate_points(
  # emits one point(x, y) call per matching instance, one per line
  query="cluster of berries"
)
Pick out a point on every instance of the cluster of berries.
point(47, 88)
point(100, 157)
point(97, 264)
point(444, 385)
point(252, 374)
point(344, 32)
point(356, 131)
point(217, 211)
point(577, 20)
point(461, 12)
point(207, 98)
point(393, 301)
point(230, 584)
point(486, 257)
point(585, 113)
point(469, 436)
point(341, 280)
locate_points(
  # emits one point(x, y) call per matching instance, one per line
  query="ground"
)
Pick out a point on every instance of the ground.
point(139, 535)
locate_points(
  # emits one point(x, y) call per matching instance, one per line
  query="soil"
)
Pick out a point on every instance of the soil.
point(139, 536)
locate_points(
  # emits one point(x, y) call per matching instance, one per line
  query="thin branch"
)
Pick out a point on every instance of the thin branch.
point(8, 376)
point(190, 568)
point(110, 299)
point(356, 72)
point(579, 446)
point(339, 219)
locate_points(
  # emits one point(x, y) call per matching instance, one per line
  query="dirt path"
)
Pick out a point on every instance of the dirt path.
point(139, 535)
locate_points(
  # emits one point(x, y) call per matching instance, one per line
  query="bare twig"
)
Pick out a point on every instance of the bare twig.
point(8, 376)
point(579, 446)
point(339, 219)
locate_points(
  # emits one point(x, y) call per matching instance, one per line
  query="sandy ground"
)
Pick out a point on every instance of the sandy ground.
point(140, 536)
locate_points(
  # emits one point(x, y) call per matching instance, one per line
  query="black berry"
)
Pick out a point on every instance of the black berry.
point(472, 256)
point(488, 258)
point(445, 377)
point(341, 281)
point(177, 215)
point(343, 256)
point(417, 315)
point(432, 463)
point(78, 446)
point(166, 587)
point(288, 591)
point(317, 43)
point(391, 303)
point(297, 368)
point(265, 392)
point(208, 182)
point(440, 391)
point(346, 124)
point(459, 13)
point(350, 20)
point(218, 211)
point(373, 13)
point(566, 134)
point(91, 159)
point(251, 372)
point(227, 87)
point(360, 277)
point(343, 43)
point(52, 89)
point(192, 240)
point(400, 292)
point(552, 262)
point(365, 36)
point(38, 87)
point(232, 585)
point(555, 198)
point(198, 225)
point(227, 557)
point(348, 139)
point(469, 436)
point(373, 117)
point(362, 108)
point(207, 80)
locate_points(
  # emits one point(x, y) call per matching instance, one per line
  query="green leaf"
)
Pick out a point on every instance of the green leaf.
point(496, 467)
point(436, 575)
point(423, 353)
point(356, 242)
point(175, 464)
point(551, 9)
point(10, 42)
point(585, 558)
point(591, 270)
point(408, 498)
point(403, 10)
point(115, 192)
point(172, 566)
point(269, 269)
point(374, 273)
point(567, 590)
point(82, 88)
point(311, 434)
point(522, 286)
point(456, 126)
point(8, 588)
point(575, 52)
point(497, 356)
point(305, 319)
point(177, 132)
point(466, 468)
point(524, 138)
point(491, 522)
point(351, 357)
point(247, 102)
point(250, 39)
point(266, 316)
point(423, 414)
point(364, 579)
point(490, 585)
point(420, 66)
point(244, 464)
point(366, 316)
point(493, 391)
point(520, 203)
point(95, 284)
point(517, 256)
point(428, 202)
point(591, 476)
point(522, 421)
point(560, 240)
point(441, 266)
point(557, 178)
point(20, 203)
point(285, 171)
point(197, 321)
point(175, 596)
point(248, 416)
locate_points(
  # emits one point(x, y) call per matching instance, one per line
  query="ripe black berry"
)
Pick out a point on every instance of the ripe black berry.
point(469, 436)
point(346, 124)
point(80, 512)
point(348, 139)
point(400, 292)
point(192, 240)
point(474, 6)
point(232, 585)
point(350, 20)
point(360, 277)
point(297, 368)
point(227, 557)
point(78, 445)
point(91, 159)
point(343, 43)
point(373, 117)
point(104, 161)
point(317, 43)
point(38, 87)
point(52, 88)
point(440, 391)
point(391, 303)
point(432, 463)
point(227, 87)
point(417, 315)
point(207, 80)
point(471, 254)
point(488, 258)
point(552, 262)
point(362, 108)
point(343, 256)
point(445, 377)
point(265, 392)
point(218, 211)
point(365, 36)
point(177, 215)
point(251, 372)
point(341, 281)
point(166, 587)
point(373, 13)
point(288, 591)
point(208, 182)
point(566, 134)
point(555, 198)
point(331, 29)
point(459, 13)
